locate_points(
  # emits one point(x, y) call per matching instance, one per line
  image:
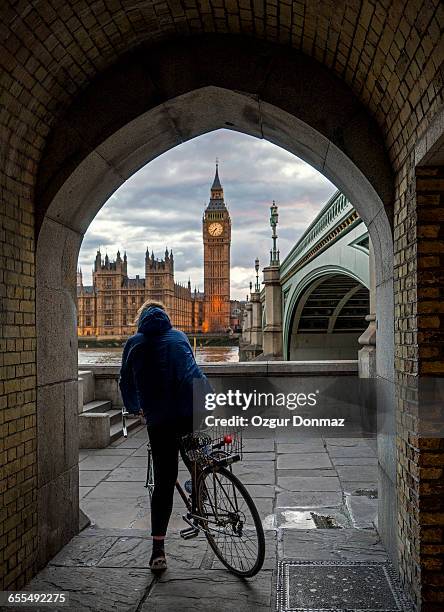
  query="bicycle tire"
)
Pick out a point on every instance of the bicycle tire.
point(202, 498)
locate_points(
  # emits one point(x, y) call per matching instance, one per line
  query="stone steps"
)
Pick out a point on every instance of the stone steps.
point(97, 406)
point(87, 382)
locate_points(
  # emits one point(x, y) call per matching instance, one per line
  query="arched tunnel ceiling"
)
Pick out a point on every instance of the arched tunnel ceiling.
point(339, 304)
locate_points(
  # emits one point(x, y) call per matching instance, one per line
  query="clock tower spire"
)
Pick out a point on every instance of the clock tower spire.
point(217, 242)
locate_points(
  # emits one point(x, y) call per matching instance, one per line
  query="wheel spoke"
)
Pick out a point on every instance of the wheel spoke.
point(234, 530)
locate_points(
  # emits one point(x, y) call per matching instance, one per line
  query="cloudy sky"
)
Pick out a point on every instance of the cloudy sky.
point(162, 205)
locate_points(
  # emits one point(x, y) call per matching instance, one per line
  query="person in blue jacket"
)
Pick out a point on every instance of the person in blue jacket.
point(156, 378)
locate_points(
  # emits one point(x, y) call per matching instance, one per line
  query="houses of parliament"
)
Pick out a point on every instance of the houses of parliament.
point(107, 308)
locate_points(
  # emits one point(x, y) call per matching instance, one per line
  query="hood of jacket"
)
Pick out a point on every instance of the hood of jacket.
point(154, 321)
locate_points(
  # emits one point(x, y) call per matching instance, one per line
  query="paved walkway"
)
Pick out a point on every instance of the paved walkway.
point(301, 489)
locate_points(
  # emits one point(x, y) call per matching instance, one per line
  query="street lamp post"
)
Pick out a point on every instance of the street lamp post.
point(256, 267)
point(274, 217)
point(272, 332)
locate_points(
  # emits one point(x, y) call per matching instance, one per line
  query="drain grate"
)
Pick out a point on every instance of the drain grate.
point(330, 586)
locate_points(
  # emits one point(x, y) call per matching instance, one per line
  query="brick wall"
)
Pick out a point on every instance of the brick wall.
point(419, 318)
point(18, 453)
point(429, 452)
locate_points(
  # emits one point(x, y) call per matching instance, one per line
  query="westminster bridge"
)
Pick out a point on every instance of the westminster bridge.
point(321, 299)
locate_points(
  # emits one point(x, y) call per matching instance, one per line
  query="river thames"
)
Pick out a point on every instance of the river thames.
point(113, 356)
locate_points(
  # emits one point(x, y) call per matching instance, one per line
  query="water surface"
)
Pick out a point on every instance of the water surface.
point(113, 356)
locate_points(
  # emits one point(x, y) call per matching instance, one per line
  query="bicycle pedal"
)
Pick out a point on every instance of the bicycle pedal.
point(189, 533)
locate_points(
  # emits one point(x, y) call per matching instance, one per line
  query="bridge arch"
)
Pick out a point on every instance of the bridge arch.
point(313, 278)
point(316, 326)
point(205, 86)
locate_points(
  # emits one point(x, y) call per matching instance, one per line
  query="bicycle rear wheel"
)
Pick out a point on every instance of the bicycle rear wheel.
point(231, 521)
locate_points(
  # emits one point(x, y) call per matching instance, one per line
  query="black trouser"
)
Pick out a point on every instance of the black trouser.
point(165, 447)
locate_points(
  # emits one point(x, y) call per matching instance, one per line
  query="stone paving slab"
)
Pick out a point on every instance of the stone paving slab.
point(84, 552)
point(128, 474)
point(111, 512)
point(309, 499)
point(306, 460)
point(255, 472)
point(90, 478)
point(136, 553)
point(315, 483)
point(133, 442)
point(94, 589)
point(124, 490)
point(218, 591)
point(264, 506)
point(332, 544)
point(363, 511)
point(141, 451)
point(132, 461)
point(314, 446)
point(347, 461)
point(117, 532)
point(267, 456)
point(255, 445)
point(101, 462)
point(258, 491)
point(360, 473)
point(327, 472)
point(115, 452)
point(348, 442)
point(84, 491)
point(350, 451)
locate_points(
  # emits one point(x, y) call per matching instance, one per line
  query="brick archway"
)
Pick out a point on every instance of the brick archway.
point(111, 142)
point(386, 61)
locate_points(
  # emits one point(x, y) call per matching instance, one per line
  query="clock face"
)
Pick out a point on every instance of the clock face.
point(215, 229)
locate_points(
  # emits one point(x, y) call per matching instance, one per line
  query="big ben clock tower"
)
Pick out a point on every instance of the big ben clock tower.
point(217, 242)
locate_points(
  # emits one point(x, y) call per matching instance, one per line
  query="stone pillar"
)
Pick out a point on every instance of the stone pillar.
point(367, 354)
point(246, 333)
point(272, 334)
point(256, 319)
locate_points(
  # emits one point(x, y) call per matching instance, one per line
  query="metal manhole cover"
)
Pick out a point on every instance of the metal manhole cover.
point(328, 586)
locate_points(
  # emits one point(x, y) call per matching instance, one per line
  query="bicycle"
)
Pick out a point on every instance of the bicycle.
point(219, 505)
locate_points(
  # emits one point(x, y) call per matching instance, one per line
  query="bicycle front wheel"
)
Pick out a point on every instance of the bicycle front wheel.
point(231, 521)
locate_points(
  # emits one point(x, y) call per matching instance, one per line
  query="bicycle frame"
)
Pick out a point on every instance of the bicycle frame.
point(192, 515)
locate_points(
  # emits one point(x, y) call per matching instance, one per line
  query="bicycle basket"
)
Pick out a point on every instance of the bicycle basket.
point(214, 443)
